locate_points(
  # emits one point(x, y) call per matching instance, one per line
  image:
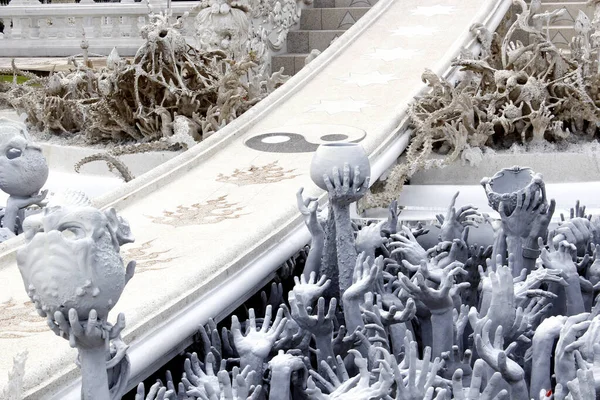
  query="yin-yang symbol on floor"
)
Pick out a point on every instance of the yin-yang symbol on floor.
point(304, 138)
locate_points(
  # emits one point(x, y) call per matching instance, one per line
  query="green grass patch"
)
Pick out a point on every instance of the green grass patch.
point(9, 78)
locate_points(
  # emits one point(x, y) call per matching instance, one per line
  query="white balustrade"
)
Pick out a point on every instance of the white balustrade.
point(32, 29)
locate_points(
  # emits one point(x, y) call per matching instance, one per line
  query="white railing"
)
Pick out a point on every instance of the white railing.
point(32, 29)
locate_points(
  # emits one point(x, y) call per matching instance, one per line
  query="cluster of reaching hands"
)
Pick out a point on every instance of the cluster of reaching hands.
point(393, 320)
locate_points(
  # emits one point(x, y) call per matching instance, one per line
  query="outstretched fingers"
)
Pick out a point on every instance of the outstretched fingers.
point(118, 327)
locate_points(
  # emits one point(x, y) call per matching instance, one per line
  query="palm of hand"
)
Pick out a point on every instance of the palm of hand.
point(199, 380)
point(517, 224)
point(318, 328)
point(566, 345)
point(495, 355)
point(369, 238)
point(358, 288)
point(451, 229)
point(436, 300)
point(458, 252)
point(415, 253)
point(320, 324)
point(408, 246)
point(364, 277)
point(550, 327)
point(590, 340)
point(389, 299)
point(432, 299)
point(213, 381)
point(255, 342)
point(308, 292)
point(529, 216)
point(559, 260)
point(502, 310)
point(594, 272)
point(286, 363)
point(451, 364)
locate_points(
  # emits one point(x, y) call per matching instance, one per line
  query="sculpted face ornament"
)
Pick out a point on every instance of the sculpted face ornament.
point(224, 25)
point(74, 274)
point(72, 260)
point(23, 172)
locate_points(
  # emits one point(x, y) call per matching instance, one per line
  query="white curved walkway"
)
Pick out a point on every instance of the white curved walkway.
point(198, 217)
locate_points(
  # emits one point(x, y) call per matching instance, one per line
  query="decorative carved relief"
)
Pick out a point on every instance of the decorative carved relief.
point(211, 212)
point(253, 175)
point(19, 319)
point(146, 258)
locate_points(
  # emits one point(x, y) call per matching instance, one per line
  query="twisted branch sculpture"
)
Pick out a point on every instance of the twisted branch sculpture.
point(140, 101)
point(511, 93)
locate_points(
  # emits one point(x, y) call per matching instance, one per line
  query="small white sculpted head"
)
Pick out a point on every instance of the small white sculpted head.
point(23, 167)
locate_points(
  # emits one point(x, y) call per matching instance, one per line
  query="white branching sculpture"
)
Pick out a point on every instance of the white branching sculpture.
point(511, 93)
point(170, 86)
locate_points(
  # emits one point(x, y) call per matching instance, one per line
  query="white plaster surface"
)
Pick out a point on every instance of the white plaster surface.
point(176, 263)
point(415, 30)
point(579, 163)
point(373, 78)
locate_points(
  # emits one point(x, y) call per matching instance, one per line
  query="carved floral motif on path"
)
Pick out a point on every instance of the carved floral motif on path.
point(210, 212)
point(147, 259)
point(19, 319)
point(253, 175)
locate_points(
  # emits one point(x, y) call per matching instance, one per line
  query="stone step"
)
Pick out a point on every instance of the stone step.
point(303, 41)
point(291, 63)
point(561, 36)
point(331, 18)
point(561, 31)
point(572, 11)
point(343, 3)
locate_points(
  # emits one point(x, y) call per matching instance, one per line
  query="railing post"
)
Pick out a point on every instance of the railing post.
point(7, 29)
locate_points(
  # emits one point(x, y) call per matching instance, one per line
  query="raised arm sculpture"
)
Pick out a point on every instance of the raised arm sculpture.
point(453, 321)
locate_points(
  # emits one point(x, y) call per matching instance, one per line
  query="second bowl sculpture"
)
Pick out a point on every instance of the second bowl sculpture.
point(508, 184)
